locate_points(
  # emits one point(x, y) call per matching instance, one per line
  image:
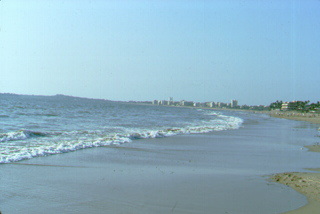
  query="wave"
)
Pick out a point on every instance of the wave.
point(39, 114)
point(20, 135)
point(12, 155)
point(214, 125)
point(48, 115)
point(15, 153)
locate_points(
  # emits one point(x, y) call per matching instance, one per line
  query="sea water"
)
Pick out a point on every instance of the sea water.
point(34, 126)
point(217, 162)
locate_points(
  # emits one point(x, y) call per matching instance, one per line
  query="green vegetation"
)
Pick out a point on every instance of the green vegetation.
point(301, 106)
point(276, 105)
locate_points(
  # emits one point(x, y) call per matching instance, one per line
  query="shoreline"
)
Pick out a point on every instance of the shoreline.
point(291, 115)
point(203, 173)
point(306, 183)
point(307, 117)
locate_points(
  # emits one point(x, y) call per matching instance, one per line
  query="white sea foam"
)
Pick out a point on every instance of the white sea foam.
point(19, 135)
point(13, 154)
point(63, 142)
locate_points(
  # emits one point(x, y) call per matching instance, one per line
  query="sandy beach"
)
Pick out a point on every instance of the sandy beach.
point(144, 177)
point(220, 172)
point(159, 107)
point(308, 117)
point(303, 182)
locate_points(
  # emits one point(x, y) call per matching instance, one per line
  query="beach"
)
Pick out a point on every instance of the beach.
point(156, 107)
point(218, 172)
point(307, 183)
point(292, 115)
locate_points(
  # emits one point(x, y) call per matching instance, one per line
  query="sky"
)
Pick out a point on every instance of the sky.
point(199, 50)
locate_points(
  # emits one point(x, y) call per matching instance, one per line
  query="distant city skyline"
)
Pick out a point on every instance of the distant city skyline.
point(256, 52)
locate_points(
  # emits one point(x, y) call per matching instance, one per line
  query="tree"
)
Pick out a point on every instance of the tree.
point(276, 105)
point(300, 105)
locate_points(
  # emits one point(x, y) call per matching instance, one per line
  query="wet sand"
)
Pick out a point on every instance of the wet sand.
point(307, 183)
point(174, 175)
point(221, 172)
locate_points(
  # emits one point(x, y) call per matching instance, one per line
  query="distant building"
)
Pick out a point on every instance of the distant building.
point(210, 104)
point(234, 103)
point(170, 100)
point(189, 103)
point(198, 104)
point(156, 102)
point(175, 103)
point(286, 106)
point(165, 102)
point(186, 103)
point(221, 105)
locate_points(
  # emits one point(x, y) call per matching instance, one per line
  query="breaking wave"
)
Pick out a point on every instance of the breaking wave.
point(20, 135)
point(55, 143)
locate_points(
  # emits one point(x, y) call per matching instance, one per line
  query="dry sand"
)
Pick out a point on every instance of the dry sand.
point(314, 148)
point(308, 117)
point(306, 183)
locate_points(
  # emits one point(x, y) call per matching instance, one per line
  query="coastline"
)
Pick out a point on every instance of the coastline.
point(306, 183)
point(290, 115)
point(307, 117)
point(202, 173)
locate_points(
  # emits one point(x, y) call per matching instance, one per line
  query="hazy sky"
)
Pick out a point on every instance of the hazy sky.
point(254, 51)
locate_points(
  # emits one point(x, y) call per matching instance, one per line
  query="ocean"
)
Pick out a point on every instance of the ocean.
point(62, 154)
point(38, 126)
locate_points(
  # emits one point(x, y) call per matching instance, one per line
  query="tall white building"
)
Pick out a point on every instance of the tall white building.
point(156, 102)
point(171, 101)
point(234, 103)
point(210, 104)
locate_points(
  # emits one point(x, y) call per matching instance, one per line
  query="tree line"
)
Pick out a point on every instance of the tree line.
point(302, 106)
